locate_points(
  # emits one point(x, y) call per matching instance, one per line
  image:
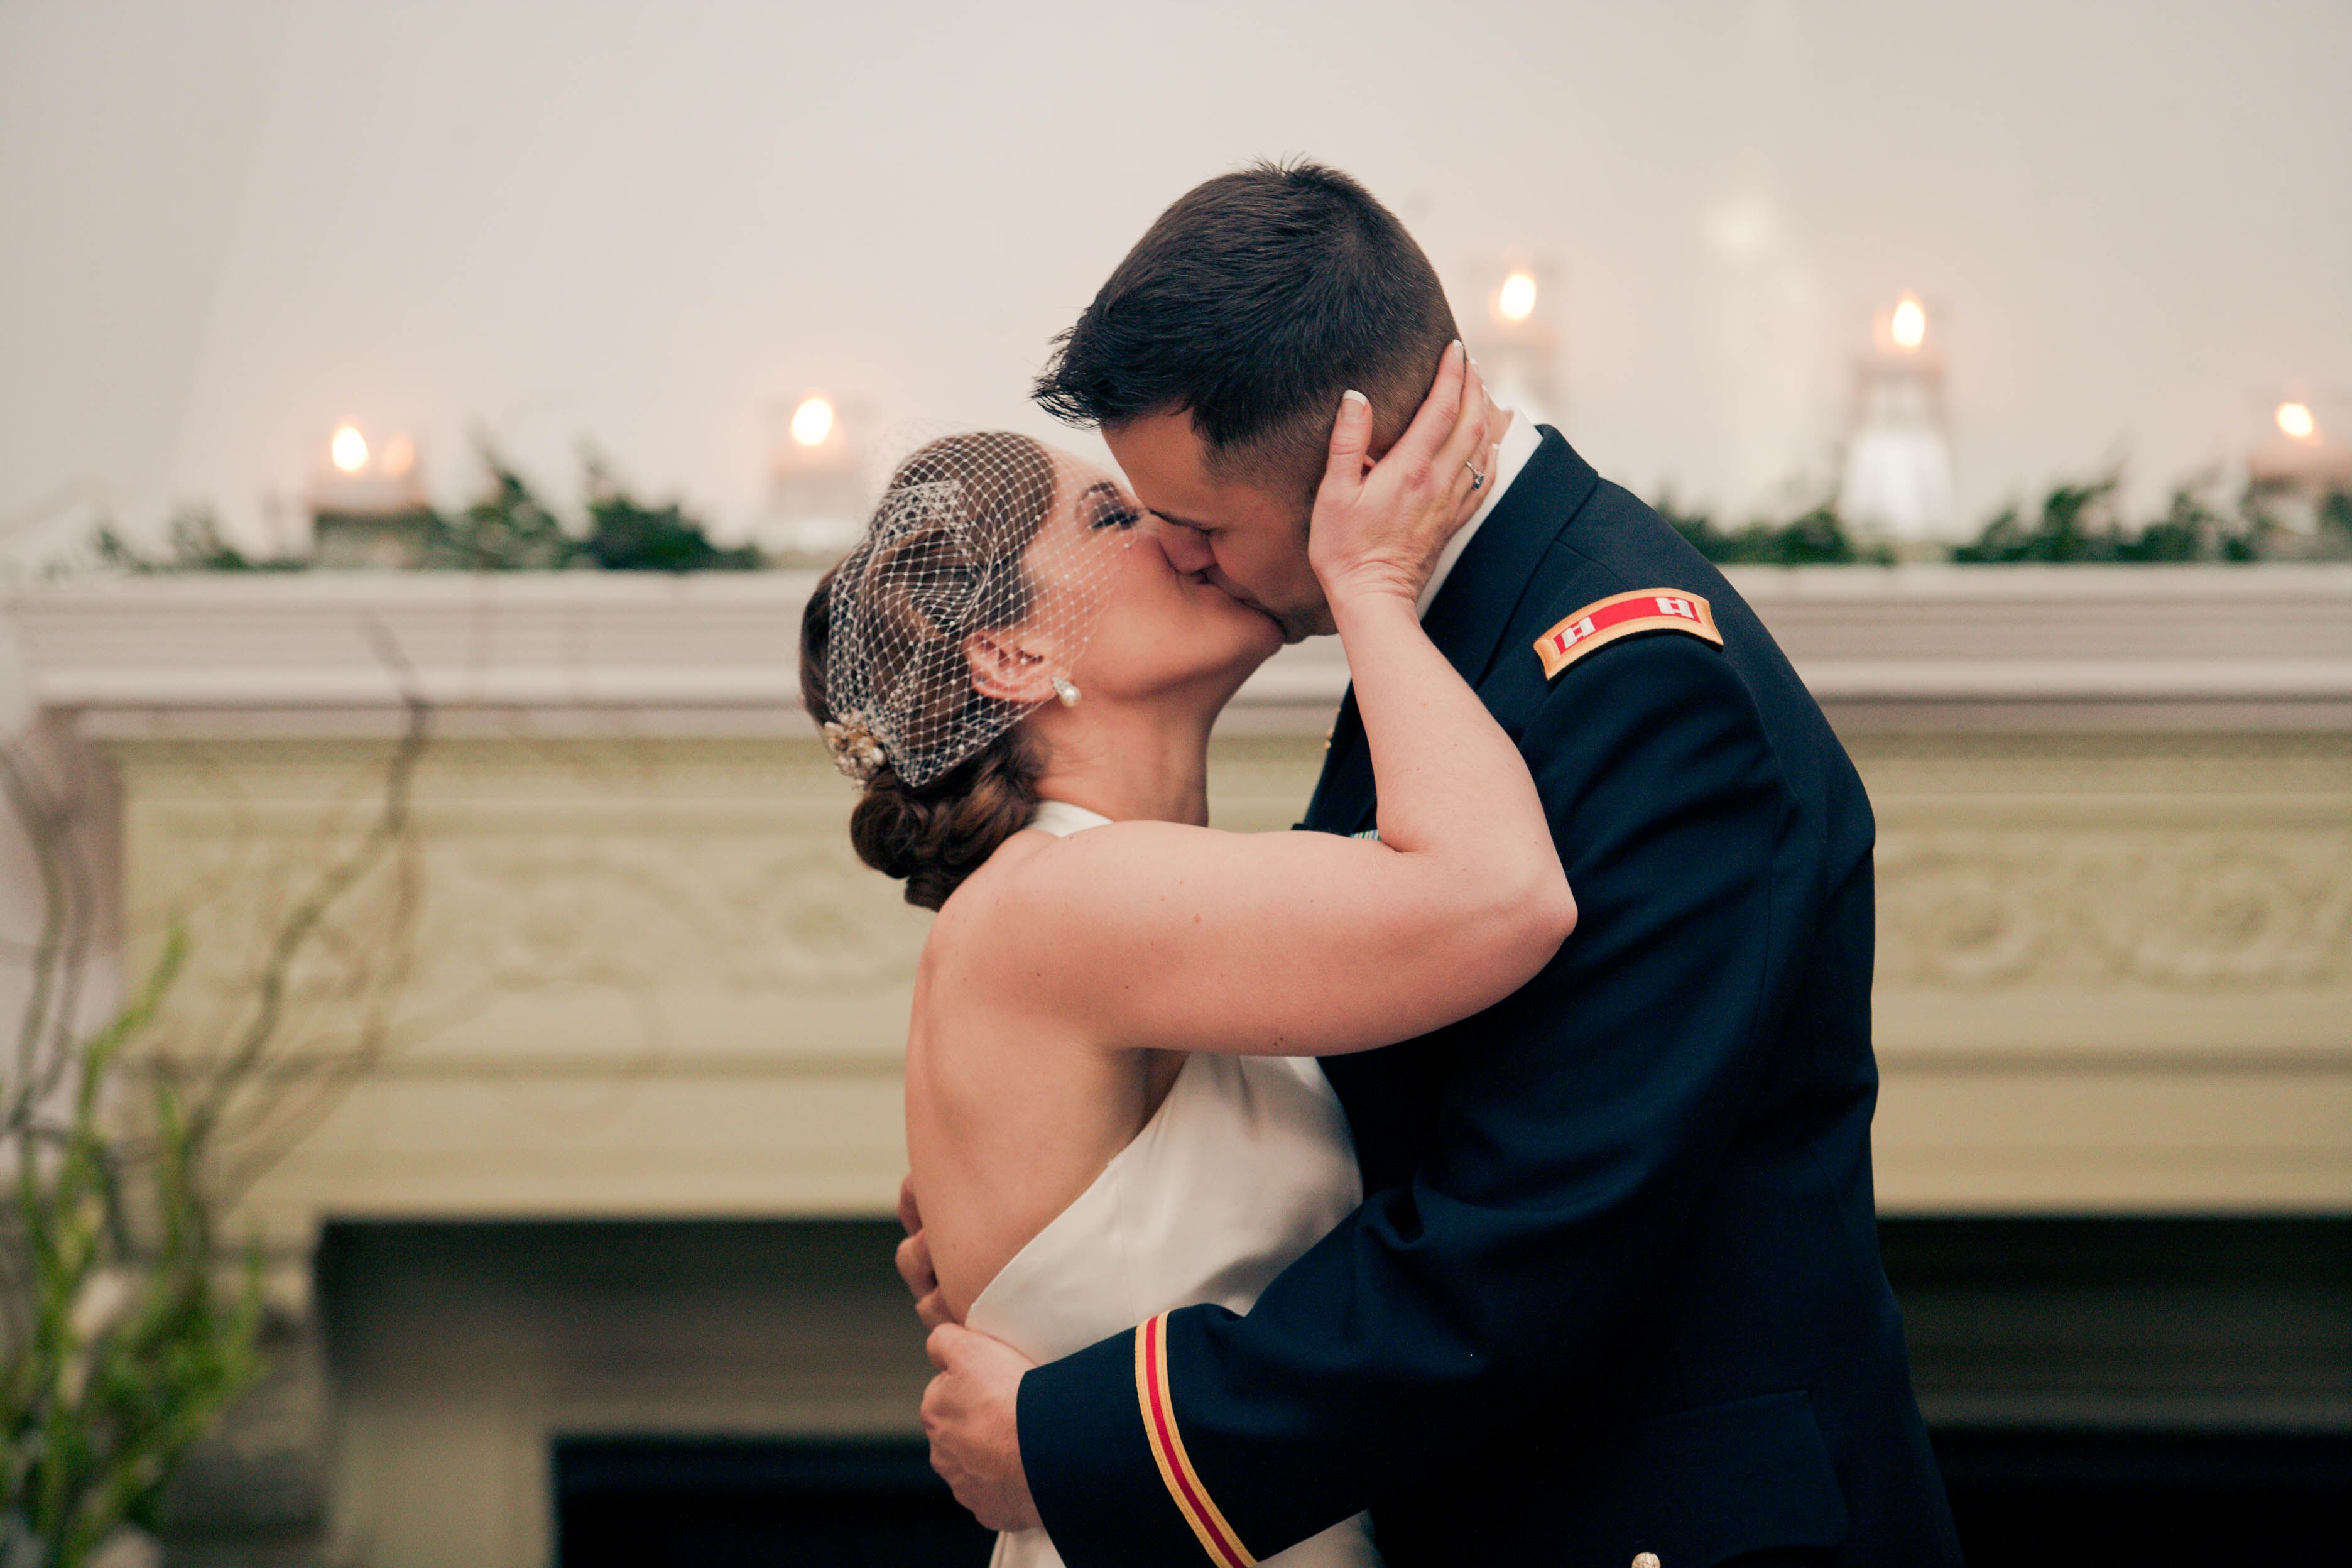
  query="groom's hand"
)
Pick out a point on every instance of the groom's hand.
point(915, 1262)
point(968, 1413)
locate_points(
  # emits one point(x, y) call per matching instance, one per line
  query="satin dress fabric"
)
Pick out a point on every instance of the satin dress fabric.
point(1244, 1166)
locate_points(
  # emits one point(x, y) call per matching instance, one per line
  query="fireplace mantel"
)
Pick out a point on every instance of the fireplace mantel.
point(2222, 646)
point(2115, 864)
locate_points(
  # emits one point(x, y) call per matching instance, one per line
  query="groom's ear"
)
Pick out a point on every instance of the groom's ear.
point(1002, 668)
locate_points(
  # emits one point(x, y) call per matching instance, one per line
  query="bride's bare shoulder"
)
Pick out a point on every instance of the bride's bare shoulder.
point(1035, 891)
point(971, 930)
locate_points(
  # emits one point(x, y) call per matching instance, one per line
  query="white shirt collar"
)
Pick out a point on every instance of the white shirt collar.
point(1519, 444)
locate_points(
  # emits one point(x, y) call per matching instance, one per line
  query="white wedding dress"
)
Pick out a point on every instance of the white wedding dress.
point(1246, 1165)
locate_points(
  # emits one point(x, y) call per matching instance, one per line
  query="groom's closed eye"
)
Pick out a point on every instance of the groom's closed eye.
point(1188, 545)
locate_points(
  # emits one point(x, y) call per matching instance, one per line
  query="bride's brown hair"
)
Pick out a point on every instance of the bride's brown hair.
point(935, 836)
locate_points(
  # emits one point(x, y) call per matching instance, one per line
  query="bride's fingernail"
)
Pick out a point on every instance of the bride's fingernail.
point(1352, 395)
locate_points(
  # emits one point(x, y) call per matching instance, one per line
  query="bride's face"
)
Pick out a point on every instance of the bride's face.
point(1159, 630)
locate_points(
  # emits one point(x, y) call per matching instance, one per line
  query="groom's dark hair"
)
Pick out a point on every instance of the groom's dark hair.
point(1252, 303)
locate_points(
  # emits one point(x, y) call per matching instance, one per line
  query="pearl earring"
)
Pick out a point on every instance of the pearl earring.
point(1065, 691)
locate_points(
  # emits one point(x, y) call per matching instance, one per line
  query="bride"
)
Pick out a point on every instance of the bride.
point(1113, 1108)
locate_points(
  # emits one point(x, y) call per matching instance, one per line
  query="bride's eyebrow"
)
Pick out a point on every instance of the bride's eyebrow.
point(1090, 509)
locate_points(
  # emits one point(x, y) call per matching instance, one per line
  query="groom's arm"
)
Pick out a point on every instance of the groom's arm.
point(1577, 1121)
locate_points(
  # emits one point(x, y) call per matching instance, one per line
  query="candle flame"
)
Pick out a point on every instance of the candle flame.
point(1909, 326)
point(1518, 300)
point(813, 422)
point(349, 449)
point(2295, 420)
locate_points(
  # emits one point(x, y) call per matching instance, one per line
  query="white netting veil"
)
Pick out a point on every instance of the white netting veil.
point(967, 602)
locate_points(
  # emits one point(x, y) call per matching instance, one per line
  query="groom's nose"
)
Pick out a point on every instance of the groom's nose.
point(1187, 549)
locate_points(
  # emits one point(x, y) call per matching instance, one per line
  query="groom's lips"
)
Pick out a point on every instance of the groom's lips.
point(1230, 591)
point(1255, 608)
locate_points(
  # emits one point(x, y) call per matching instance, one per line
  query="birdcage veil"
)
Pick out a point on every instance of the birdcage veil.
point(975, 533)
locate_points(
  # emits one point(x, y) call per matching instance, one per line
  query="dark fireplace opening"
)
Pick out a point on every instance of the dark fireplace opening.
point(2141, 1390)
point(664, 1502)
point(2024, 1499)
point(2149, 1391)
point(2019, 1500)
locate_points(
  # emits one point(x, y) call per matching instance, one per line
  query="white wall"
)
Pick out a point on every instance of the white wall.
point(224, 227)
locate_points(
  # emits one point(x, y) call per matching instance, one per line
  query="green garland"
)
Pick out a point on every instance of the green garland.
point(2078, 522)
point(506, 528)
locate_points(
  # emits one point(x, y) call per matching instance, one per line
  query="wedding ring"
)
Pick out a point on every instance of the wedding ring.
point(1477, 479)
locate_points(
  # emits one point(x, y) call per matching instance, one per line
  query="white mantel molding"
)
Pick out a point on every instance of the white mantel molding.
point(716, 652)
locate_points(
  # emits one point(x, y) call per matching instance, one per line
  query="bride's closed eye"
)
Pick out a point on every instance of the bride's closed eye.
point(1103, 506)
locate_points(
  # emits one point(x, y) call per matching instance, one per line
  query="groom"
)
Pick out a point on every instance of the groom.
point(1615, 1295)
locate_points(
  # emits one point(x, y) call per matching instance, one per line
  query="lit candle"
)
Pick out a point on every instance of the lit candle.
point(367, 504)
point(2298, 464)
point(1516, 340)
point(1897, 485)
point(817, 485)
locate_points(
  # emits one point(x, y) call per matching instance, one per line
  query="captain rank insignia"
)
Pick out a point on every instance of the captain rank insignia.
point(1604, 621)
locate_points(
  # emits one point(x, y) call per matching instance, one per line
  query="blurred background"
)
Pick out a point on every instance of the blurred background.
point(457, 1091)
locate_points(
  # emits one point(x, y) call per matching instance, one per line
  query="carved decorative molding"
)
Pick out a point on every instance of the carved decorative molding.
point(2244, 910)
point(2198, 863)
point(702, 895)
point(635, 914)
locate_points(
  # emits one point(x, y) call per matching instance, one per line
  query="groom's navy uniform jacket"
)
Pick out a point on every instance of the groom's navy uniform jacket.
point(1616, 1286)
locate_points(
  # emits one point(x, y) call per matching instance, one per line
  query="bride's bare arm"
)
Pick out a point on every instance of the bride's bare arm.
point(1159, 935)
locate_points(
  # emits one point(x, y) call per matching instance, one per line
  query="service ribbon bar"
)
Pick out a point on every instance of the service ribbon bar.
point(1217, 1537)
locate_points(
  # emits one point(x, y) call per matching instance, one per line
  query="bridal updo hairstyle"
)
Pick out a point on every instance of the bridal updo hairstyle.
point(935, 836)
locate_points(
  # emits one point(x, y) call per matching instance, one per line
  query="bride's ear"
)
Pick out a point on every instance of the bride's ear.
point(1004, 668)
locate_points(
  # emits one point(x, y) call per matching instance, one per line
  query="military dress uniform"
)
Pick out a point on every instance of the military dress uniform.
point(1616, 1288)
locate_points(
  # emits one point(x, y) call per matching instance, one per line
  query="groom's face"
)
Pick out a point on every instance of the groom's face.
point(1247, 539)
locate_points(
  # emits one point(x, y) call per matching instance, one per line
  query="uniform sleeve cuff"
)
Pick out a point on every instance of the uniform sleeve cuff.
point(1090, 1466)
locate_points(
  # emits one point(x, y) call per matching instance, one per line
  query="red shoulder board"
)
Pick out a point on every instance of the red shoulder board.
point(1621, 615)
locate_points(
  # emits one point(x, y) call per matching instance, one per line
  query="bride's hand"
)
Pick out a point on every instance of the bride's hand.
point(1381, 529)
